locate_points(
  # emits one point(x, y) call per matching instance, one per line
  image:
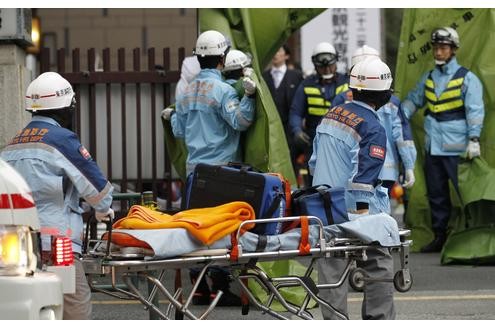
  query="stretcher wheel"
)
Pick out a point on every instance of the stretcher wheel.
point(403, 281)
point(356, 279)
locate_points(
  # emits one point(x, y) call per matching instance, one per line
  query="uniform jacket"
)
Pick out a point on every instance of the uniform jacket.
point(59, 171)
point(209, 116)
point(299, 107)
point(449, 137)
point(400, 145)
point(349, 150)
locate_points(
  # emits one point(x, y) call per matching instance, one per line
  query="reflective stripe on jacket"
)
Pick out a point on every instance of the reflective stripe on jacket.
point(450, 99)
point(59, 171)
point(447, 133)
point(349, 150)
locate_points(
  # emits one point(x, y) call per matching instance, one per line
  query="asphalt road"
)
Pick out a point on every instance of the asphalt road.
point(438, 292)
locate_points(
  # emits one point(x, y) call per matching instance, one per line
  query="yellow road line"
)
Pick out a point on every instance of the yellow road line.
point(435, 298)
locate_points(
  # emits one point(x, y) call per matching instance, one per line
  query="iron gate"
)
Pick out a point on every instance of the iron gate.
point(118, 115)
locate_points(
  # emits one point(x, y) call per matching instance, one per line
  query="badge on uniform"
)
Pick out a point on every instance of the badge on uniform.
point(85, 153)
point(377, 152)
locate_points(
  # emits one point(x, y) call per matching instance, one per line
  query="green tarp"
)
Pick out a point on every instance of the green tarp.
point(472, 218)
point(260, 32)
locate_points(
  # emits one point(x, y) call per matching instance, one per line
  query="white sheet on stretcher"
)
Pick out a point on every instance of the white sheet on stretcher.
point(377, 228)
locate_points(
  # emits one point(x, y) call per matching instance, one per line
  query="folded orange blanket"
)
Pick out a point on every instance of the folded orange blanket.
point(206, 224)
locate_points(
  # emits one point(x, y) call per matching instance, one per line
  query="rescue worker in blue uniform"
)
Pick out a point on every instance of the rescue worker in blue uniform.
point(210, 117)
point(314, 97)
point(349, 150)
point(59, 171)
point(454, 112)
point(400, 145)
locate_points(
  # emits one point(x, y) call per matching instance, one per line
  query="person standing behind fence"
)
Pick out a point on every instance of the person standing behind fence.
point(349, 150)
point(313, 97)
point(59, 171)
point(210, 117)
point(454, 114)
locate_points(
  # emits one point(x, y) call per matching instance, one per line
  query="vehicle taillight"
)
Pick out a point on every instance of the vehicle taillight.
point(62, 251)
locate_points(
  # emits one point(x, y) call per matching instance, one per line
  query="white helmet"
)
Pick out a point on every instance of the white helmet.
point(235, 60)
point(445, 35)
point(49, 91)
point(211, 43)
point(371, 74)
point(362, 53)
point(324, 54)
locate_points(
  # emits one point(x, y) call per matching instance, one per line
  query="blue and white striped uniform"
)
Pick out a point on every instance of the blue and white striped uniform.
point(59, 171)
point(399, 136)
point(210, 117)
point(349, 150)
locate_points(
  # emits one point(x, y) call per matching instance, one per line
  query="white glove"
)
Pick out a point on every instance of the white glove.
point(473, 149)
point(302, 138)
point(167, 112)
point(249, 86)
point(247, 71)
point(105, 216)
point(410, 179)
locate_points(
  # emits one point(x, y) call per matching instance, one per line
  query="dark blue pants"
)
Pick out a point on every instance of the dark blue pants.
point(438, 171)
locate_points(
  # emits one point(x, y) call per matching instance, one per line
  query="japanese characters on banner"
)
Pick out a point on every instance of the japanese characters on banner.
point(346, 30)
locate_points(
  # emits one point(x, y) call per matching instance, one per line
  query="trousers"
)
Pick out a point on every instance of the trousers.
point(78, 306)
point(438, 171)
point(378, 302)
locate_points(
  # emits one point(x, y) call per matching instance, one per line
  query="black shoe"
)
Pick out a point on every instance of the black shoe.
point(201, 299)
point(435, 246)
point(227, 299)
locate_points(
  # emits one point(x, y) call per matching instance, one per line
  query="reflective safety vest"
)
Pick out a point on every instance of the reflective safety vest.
point(450, 103)
point(317, 104)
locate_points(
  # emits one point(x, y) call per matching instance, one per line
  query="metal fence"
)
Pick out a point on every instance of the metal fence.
point(118, 114)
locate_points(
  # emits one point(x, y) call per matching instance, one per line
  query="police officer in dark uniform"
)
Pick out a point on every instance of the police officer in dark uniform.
point(314, 96)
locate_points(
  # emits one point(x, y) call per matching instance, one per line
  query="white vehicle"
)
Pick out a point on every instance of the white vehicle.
point(26, 292)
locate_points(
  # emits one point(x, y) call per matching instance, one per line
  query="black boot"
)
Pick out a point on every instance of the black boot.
point(220, 280)
point(436, 245)
point(202, 294)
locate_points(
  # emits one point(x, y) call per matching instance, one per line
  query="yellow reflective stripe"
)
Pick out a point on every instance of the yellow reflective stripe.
point(429, 83)
point(342, 88)
point(455, 83)
point(312, 91)
point(318, 101)
point(317, 111)
point(445, 107)
point(430, 96)
point(456, 93)
point(328, 104)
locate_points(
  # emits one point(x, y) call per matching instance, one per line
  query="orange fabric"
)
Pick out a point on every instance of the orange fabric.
point(123, 239)
point(304, 245)
point(206, 224)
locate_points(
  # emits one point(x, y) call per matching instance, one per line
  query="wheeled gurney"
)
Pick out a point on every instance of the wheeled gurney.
point(240, 254)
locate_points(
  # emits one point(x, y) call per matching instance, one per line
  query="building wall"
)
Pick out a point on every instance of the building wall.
point(118, 28)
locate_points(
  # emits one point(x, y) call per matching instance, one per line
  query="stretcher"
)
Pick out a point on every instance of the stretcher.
point(240, 257)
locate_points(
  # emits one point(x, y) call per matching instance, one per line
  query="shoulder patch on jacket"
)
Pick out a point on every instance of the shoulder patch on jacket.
point(377, 152)
point(85, 153)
